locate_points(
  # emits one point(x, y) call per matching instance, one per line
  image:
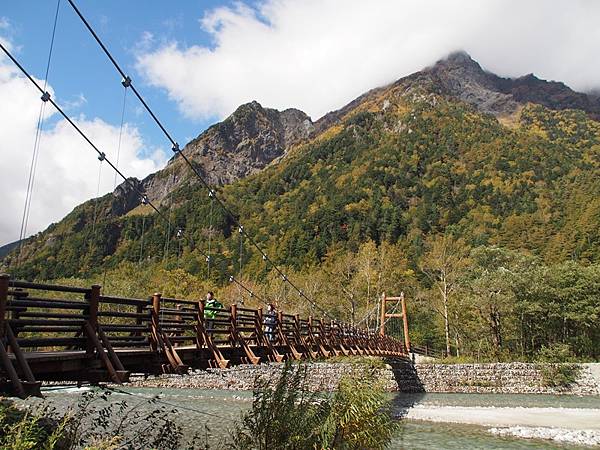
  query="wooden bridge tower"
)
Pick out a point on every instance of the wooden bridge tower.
point(385, 315)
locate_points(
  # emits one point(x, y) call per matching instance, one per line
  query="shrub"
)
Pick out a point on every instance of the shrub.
point(96, 424)
point(24, 430)
point(555, 370)
point(359, 416)
point(555, 353)
point(285, 415)
point(559, 375)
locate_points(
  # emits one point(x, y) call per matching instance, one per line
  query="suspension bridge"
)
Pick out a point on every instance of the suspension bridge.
point(61, 333)
point(55, 333)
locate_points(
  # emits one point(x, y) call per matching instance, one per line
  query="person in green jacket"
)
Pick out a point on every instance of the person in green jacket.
point(211, 307)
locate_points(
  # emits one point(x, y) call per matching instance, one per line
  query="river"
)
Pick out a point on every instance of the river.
point(220, 409)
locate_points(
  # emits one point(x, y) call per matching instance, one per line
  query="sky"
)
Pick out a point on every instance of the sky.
point(195, 61)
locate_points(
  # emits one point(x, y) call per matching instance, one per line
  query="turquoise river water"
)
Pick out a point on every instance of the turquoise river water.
point(193, 409)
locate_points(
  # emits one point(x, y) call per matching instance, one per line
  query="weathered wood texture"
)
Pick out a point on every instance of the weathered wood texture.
point(51, 332)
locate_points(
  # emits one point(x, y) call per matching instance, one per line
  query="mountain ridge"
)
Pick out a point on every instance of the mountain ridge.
point(237, 147)
point(251, 149)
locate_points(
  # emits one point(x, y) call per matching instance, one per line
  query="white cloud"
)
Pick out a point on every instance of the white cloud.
point(67, 169)
point(78, 101)
point(319, 54)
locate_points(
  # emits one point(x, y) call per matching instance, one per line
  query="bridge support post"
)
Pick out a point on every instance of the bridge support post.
point(154, 321)
point(238, 339)
point(93, 302)
point(405, 323)
point(382, 315)
point(4, 279)
point(6, 363)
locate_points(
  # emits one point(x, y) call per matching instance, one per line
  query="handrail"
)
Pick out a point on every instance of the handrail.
point(47, 287)
point(168, 334)
point(124, 300)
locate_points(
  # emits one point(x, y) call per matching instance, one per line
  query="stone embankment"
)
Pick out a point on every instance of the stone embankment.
point(493, 378)
point(320, 377)
point(497, 378)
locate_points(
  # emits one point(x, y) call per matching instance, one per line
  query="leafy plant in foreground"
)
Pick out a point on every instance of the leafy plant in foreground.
point(286, 415)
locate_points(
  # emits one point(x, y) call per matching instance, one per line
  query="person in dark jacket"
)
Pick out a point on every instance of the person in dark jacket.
point(270, 322)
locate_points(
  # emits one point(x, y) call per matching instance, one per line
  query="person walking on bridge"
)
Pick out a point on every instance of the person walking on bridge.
point(211, 311)
point(270, 322)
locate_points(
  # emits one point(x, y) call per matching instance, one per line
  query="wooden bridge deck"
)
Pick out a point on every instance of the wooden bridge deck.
point(62, 333)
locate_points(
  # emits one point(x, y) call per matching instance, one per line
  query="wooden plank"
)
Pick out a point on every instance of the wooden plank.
point(91, 335)
point(179, 313)
point(52, 315)
point(124, 301)
point(51, 342)
point(47, 322)
point(181, 338)
point(111, 353)
point(50, 329)
point(19, 355)
point(123, 314)
point(9, 369)
point(124, 327)
point(176, 300)
point(47, 303)
point(131, 344)
point(129, 338)
point(47, 287)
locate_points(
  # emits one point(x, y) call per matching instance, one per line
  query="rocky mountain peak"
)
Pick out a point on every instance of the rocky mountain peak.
point(460, 76)
point(242, 144)
point(125, 197)
point(459, 60)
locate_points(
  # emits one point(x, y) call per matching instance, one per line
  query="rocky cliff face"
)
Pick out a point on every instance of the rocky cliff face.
point(254, 136)
point(243, 144)
point(247, 141)
point(460, 76)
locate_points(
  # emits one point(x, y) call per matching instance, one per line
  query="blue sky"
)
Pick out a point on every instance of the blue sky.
point(79, 68)
point(196, 61)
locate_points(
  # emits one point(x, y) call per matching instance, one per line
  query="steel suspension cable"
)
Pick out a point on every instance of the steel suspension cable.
point(47, 98)
point(168, 231)
point(36, 144)
point(125, 86)
point(97, 199)
point(210, 230)
point(177, 151)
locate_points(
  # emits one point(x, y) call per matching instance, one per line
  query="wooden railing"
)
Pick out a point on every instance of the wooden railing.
point(60, 332)
point(426, 350)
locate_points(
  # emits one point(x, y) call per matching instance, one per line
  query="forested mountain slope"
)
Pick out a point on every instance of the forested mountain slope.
point(450, 148)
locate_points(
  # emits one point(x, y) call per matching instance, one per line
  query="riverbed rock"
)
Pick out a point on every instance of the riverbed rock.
point(396, 376)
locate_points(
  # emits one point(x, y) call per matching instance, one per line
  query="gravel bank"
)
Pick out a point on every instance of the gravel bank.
point(580, 437)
